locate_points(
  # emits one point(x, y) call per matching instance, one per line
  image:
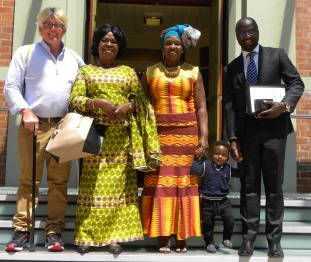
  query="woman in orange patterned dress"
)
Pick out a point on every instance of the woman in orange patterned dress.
point(170, 204)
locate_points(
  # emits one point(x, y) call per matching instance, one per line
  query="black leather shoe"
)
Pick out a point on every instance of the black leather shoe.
point(83, 249)
point(115, 248)
point(275, 250)
point(246, 249)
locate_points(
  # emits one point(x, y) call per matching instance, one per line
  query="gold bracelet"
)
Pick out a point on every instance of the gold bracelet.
point(93, 104)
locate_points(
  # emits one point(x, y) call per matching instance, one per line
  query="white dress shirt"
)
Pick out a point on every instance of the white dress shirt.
point(44, 83)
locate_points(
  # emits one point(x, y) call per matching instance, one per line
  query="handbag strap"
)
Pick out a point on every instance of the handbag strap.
point(57, 128)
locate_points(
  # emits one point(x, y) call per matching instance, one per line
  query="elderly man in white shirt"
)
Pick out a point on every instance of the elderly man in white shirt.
point(38, 86)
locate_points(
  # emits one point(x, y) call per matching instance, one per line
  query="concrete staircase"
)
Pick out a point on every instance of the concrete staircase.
point(296, 240)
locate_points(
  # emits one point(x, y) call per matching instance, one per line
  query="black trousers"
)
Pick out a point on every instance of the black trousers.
point(264, 155)
point(209, 210)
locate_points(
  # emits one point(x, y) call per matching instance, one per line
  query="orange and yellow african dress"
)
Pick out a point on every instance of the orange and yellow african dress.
point(170, 197)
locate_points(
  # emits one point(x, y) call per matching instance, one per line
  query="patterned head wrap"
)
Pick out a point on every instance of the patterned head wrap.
point(188, 35)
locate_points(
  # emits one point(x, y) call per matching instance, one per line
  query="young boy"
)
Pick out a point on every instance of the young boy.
point(214, 188)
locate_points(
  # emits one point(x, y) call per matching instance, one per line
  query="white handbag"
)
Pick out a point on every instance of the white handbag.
point(75, 136)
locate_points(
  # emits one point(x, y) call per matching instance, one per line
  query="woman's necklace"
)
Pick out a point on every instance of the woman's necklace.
point(106, 66)
point(171, 72)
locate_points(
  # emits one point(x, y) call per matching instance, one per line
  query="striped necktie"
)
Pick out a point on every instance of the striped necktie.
point(252, 76)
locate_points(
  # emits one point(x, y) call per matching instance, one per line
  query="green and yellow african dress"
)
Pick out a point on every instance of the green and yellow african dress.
point(107, 207)
point(170, 203)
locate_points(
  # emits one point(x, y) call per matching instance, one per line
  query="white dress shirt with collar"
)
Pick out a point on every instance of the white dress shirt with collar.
point(44, 83)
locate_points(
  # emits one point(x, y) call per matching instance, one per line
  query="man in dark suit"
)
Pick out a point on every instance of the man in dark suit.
point(261, 139)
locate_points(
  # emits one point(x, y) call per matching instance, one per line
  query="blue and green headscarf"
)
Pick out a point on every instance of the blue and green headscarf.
point(188, 35)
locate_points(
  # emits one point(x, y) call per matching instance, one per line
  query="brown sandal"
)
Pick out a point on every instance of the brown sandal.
point(181, 246)
point(164, 245)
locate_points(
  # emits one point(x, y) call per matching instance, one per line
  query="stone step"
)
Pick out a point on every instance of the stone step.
point(297, 221)
point(297, 206)
point(8, 210)
point(150, 254)
point(288, 227)
point(295, 235)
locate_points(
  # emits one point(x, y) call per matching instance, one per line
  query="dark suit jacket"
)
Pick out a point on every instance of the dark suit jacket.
point(273, 66)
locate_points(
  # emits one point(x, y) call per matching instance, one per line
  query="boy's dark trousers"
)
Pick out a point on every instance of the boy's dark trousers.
point(209, 210)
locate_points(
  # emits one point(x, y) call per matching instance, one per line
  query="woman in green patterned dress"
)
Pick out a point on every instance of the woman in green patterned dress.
point(107, 209)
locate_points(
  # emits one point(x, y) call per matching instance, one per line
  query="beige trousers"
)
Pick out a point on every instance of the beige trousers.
point(57, 178)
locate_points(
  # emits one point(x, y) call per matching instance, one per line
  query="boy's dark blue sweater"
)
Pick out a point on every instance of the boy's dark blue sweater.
point(214, 179)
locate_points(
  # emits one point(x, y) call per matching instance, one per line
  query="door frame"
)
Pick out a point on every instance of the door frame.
point(214, 95)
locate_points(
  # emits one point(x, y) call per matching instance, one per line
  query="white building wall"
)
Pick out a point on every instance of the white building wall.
point(275, 19)
point(25, 27)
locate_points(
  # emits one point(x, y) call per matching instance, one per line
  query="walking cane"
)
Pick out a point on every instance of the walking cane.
point(32, 246)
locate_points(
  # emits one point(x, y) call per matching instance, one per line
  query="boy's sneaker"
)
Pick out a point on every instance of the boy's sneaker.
point(227, 243)
point(211, 248)
point(19, 241)
point(54, 242)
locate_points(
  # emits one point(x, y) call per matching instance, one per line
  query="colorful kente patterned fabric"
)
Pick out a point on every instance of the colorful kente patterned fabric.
point(170, 196)
point(107, 208)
